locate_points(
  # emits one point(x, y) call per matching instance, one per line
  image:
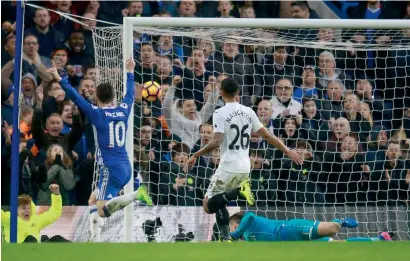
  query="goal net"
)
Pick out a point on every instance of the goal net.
point(338, 96)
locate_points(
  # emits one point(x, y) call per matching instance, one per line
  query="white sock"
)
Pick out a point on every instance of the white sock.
point(120, 202)
point(96, 224)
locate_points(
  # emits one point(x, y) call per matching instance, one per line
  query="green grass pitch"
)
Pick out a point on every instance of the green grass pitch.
point(236, 251)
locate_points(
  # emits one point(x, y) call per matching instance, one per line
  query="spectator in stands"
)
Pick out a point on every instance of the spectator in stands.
point(26, 120)
point(397, 77)
point(366, 94)
point(392, 175)
point(61, 23)
point(29, 222)
point(87, 89)
point(289, 131)
point(7, 105)
point(134, 9)
point(187, 8)
point(146, 68)
point(237, 66)
point(67, 110)
point(301, 185)
point(332, 105)
point(32, 62)
point(275, 68)
point(8, 50)
point(325, 37)
point(308, 87)
point(90, 23)
point(376, 154)
point(54, 96)
point(48, 37)
point(28, 88)
point(59, 171)
point(92, 73)
point(78, 53)
point(197, 75)
point(54, 126)
point(207, 9)
point(340, 128)
point(176, 188)
point(205, 133)
point(358, 124)
point(282, 103)
point(301, 10)
point(31, 176)
point(164, 70)
point(225, 8)
point(165, 47)
point(375, 10)
point(182, 116)
point(364, 110)
point(349, 170)
point(208, 46)
point(93, 7)
point(247, 12)
point(263, 181)
point(66, 113)
point(329, 72)
point(207, 94)
point(310, 121)
point(264, 113)
point(60, 59)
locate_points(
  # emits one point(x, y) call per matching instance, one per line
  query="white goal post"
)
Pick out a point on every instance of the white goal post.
point(130, 23)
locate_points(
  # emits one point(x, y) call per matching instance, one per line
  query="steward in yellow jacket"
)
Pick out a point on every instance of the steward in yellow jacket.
point(28, 222)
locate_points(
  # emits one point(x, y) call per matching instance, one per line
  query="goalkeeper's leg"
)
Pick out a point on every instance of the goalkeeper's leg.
point(303, 229)
point(225, 187)
point(329, 229)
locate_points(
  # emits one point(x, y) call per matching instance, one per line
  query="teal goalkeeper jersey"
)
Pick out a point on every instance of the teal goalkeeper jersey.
point(255, 228)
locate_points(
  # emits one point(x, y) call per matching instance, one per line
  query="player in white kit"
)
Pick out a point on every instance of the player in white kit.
point(233, 125)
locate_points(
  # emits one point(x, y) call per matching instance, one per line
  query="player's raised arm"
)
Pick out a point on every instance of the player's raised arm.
point(82, 103)
point(275, 141)
point(129, 95)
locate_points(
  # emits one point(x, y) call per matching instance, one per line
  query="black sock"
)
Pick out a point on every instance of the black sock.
point(222, 220)
point(219, 201)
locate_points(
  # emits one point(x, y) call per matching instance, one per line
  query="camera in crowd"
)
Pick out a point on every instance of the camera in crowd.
point(181, 236)
point(150, 228)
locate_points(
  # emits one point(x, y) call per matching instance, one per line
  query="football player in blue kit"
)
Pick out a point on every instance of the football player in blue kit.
point(110, 127)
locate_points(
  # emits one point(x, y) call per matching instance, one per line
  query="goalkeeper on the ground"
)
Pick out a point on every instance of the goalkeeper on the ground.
point(251, 227)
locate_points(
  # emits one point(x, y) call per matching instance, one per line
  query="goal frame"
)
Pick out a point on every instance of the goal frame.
point(127, 41)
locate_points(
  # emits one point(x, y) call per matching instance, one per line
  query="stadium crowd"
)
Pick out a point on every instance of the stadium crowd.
point(347, 112)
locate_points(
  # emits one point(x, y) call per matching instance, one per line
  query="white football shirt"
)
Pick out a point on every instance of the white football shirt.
point(236, 122)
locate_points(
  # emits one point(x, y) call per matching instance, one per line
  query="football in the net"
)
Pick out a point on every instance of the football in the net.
point(151, 91)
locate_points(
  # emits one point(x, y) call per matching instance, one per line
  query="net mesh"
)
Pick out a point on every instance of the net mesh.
point(347, 140)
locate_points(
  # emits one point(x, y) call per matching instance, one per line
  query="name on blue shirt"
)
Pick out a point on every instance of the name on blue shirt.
point(114, 114)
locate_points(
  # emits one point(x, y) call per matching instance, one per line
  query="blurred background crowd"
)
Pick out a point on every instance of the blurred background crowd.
point(346, 111)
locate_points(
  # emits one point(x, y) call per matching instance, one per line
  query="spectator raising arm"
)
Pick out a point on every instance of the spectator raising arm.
point(209, 107)
point(77, 130)
point(54, 212)
point(38, 129)
point(169, 99)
